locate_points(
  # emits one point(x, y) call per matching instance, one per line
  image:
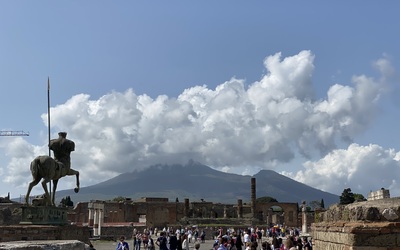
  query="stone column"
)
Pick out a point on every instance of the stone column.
point(253, 197)
point(225, 212)
point(100, 221)
point(304, 217)
point(96, 223)
point(186, 208)
point(240, 209)
point(90, 222)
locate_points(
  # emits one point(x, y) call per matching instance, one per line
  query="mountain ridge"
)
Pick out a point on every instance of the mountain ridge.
point(197, 181)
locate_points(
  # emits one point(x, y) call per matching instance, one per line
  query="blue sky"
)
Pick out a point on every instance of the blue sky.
point(192, 68)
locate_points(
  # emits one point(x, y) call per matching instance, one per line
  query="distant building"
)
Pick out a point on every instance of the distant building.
point(107, 217)
point(380, 194)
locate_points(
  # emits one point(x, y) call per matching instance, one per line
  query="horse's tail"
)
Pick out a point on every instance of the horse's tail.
point(35, 164)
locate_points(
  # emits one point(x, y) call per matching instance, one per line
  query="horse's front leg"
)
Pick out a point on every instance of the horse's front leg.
point(77, 182)
point(53, 194)
point(76, 173)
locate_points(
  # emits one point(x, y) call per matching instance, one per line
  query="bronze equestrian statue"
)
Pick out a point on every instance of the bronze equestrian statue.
point(49, 169)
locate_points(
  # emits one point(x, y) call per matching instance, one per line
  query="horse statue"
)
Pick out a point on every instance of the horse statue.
point(46, 168)
point(49, 169)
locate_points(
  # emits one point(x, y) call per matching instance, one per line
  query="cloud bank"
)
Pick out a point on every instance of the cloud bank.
point(235, 127)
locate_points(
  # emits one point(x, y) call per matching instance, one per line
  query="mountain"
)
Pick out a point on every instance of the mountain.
point(196, 181)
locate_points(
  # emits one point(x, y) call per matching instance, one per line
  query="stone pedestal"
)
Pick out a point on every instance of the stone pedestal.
point(43, 232)
point(50, 244)
point(44, 216)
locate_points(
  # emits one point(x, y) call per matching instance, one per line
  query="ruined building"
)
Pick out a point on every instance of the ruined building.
point(151, 212)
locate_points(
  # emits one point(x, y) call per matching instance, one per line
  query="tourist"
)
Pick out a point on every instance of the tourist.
point(246, 237)
point(203, 236)
point(299, 244)
point(253, 245)
point(275, 242)
point(253, 237)
point(122, 244)
point(185, 242)
point(306, 244)
point(150, 243)
point(289, 244)
point(145, 239)
point(134, 241)
point(233, 240)
point(239, 242)
point(197, 245)
point(280, 240)
point(266, 246)
point(179, 242)
point(259, 236)
point(189, 234)
point(138, 240)
point(223, 243)
point(173, 241)
point(162, 241)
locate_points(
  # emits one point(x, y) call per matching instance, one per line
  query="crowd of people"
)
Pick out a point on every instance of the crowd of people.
point(254, 238)
point(273, 238)
point(167, 239)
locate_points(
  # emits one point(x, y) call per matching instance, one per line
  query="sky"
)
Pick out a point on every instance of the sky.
point(304, 88)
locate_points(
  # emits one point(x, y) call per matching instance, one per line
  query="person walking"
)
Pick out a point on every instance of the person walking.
point(122, 244)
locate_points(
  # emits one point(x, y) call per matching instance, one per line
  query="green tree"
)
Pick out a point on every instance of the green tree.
point(322, 203)
point(266, 199)
point(359, 197)
point(347, 197)
point(119, 199)
point(66, 202)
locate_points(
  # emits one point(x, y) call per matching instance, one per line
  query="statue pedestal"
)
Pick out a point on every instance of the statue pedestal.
point(41, 215)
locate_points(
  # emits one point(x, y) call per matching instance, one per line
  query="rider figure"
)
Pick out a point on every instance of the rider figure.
point(62, 148)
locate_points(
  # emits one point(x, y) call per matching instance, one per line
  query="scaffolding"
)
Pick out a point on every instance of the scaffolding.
point(13, 133)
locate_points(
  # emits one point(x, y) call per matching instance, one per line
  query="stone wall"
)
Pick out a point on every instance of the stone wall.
point(114, 232)
point(159, 212)
point(356, 235)
point(10, 213)
point(369, 225)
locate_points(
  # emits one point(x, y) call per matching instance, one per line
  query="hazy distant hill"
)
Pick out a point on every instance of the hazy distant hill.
point(196, 181)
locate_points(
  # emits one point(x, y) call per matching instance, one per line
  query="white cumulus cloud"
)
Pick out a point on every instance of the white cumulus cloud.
point(362, 168)
point(234, 127)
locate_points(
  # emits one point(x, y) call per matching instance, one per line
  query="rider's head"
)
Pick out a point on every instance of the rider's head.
point(63, 134)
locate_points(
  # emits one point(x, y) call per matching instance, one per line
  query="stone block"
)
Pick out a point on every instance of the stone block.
point(44, 215)
point(43, 244)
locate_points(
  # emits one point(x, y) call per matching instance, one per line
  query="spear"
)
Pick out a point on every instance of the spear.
point(48, 121)
point(48, 111)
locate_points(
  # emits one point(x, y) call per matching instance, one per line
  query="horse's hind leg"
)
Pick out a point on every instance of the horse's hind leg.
point(31, 185)
point(46, 191)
